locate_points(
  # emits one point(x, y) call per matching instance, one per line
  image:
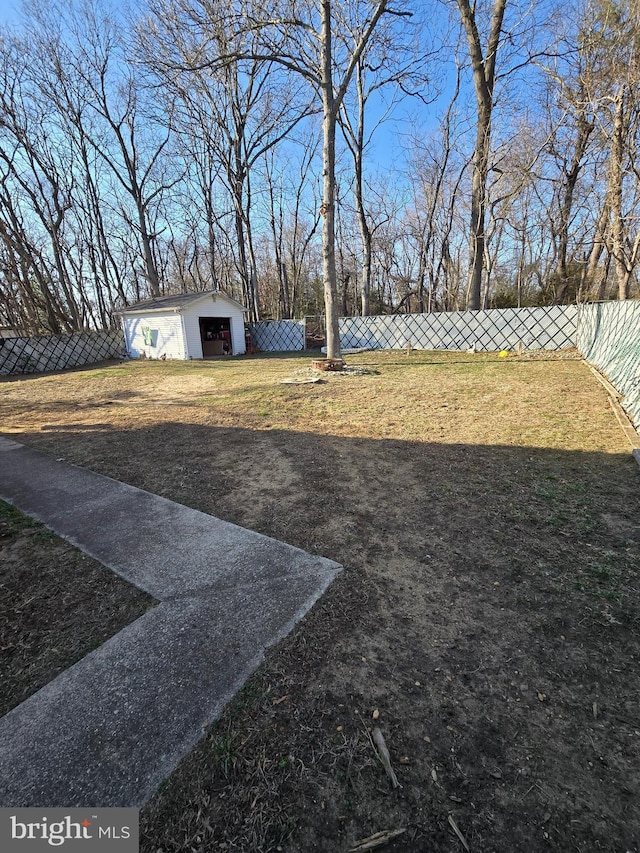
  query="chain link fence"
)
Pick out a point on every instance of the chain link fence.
point(550, 328)
point(278, 335)
point(57, 352)
point(497, 329)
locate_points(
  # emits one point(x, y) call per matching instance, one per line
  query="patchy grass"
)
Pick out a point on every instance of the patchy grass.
point(486, 513)
point(56, 605)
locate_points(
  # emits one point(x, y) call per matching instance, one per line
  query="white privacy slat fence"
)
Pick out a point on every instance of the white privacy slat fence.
point(608, 336)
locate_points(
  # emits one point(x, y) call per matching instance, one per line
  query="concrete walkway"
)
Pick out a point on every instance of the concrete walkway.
point(109, 729)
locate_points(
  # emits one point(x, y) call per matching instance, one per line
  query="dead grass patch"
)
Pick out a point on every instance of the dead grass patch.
point(56, 605)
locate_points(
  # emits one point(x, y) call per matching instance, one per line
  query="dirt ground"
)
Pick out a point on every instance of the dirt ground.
point(41, 576)
point(487, 515)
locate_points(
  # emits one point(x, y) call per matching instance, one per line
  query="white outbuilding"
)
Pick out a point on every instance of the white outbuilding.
point(185, 326)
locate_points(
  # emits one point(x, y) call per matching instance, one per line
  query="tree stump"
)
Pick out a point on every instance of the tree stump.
point(332, 364)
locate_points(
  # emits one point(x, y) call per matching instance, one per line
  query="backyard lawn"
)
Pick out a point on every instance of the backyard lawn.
point(486, 511)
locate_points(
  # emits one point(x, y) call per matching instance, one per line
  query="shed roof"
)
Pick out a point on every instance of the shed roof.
point(178, 302)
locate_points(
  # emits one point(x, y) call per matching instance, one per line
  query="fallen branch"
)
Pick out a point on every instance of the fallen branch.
point(376, 840)
point(454, 827)
point(384, 756)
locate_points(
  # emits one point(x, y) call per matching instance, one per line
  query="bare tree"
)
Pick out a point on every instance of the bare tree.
point(87, 74)
point(333, 89)
point(483, 63)
point(437, 170)
point(611, 39)
point(385, 64)
point(249, 104)
point(299, 36)
point(293, 225)
point(36, 185)
point(571, 158)
point(625, 244)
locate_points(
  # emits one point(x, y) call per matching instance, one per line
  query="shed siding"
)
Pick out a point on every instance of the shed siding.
point(192, 328)
point(237, 333)
point(166, 330)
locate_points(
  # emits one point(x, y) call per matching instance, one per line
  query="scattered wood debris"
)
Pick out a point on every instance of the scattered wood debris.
point(376, 840)
point(303, 380)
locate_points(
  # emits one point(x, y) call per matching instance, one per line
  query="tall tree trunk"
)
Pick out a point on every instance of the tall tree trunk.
point(585, 129)
point(150, 269)
point(478, 210)
point(243, 262)
point(329, 120)
point(616, 175)
point(484, 80)
point(365, 272)
point(365, 231)
point(593, 276)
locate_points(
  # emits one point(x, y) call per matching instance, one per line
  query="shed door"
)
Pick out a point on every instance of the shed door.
point(215, 334)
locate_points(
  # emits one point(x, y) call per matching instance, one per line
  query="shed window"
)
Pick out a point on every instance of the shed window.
point(150, 336)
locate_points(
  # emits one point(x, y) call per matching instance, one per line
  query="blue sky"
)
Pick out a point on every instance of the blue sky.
point(9, 11)
point(385, 153)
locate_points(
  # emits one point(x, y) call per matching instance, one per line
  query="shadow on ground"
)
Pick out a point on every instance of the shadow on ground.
point(488, 611)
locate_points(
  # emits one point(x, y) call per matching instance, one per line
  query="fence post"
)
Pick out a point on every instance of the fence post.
point(578, 321)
